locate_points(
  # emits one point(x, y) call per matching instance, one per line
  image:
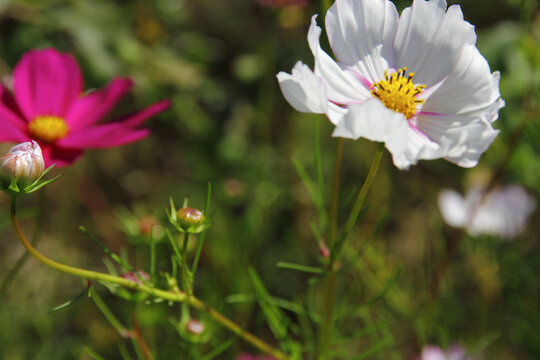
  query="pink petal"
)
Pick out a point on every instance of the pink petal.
point(141, 116)
point(102, 136)
point(93, 107)
point(9, 111)
point(59, 156)
point(46, 82)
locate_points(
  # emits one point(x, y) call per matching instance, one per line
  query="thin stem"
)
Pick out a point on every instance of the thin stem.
point(175, 296)
point(140, 339)
point(335, 193)
point(19, 264)
point(202, 236)
point(116, 324)
point(329, 282)
point(358, 203)
point(185, 279)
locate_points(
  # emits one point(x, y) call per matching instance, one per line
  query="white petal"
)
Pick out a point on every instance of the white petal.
point(432, 353)
point(429, 41)
point(504, 212)
point(453, 209)
point(372, 66)
point(374, 121)
point(469, 89)
point(419, 147)
point(336, 113)
point(462, 139)
point(305, 91)
point(343, 86)
point(355, 28)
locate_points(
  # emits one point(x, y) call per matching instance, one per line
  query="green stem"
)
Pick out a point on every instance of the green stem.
point(329, 282)
point(200, 243)
point(358, 203)
point(335, 193)
point(163, 294)
point(185, 278)
point(116, 324)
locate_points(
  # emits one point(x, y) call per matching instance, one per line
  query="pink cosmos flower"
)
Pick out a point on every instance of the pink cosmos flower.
point(48, 105)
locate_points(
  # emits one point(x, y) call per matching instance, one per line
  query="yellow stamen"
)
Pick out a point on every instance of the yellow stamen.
point(48, 128)
point(398, 92)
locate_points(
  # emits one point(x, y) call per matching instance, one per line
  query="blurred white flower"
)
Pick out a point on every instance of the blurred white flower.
point(415, 82)
point(455, 352)
point(501, 212)
point(23, 162)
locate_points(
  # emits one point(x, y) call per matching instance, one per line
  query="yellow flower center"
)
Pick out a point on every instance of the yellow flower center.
point(398, 92)
point(48, 128)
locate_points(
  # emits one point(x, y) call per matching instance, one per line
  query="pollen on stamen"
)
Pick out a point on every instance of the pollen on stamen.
point(48, 128)
point(398, 92)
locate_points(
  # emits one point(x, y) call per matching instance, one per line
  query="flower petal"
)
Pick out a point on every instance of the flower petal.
point(94, 106)
point(470, 89)
point(46, 82)
point(355, 28)
point(102, 136)
point(305, 91)
point(343, 87)
point(462, 139)
point(429, 41)
point(141, 116)
point(59, 156)
point(453, 209)
point(374, 121)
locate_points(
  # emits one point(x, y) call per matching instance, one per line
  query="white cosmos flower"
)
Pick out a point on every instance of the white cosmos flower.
point(501, 212)
point(415, 82)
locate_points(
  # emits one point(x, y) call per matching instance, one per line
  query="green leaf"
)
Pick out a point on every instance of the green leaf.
point(68, 303)
point(277, 321)
point(298, 267)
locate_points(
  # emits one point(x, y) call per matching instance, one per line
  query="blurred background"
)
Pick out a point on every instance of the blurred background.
point(229, 125)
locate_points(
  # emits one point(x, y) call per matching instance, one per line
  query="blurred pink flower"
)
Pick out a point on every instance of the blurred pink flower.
point(455, 352)
point(501, 212)
point(48, 105)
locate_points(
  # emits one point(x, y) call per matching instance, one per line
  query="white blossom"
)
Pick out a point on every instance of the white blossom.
point(501, 212)
point(415, 82)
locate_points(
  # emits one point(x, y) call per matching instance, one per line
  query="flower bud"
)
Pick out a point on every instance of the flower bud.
point(137, 277)
point(23, 162)
point(195, 327)
point(189, 217)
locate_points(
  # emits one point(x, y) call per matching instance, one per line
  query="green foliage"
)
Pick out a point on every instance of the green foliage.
point(229, 126)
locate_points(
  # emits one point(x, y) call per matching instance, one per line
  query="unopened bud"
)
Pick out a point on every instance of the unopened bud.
point(136, 277)
point(324, 251)
point(195, 327)
point(189, 217)
point(23, 162)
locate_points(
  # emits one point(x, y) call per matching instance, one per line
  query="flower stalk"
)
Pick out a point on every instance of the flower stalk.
point(329, 284)
point(175, 296)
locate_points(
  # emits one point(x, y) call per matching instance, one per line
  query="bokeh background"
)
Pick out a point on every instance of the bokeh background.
point(229, 125)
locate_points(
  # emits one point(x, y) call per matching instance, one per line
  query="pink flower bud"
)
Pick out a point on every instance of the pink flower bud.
point(188, 217)
point(23, 162)
point(195, 327)
point(138, 277)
